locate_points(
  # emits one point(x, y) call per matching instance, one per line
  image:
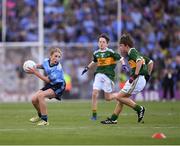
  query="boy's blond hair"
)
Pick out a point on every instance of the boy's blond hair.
point(55, 49)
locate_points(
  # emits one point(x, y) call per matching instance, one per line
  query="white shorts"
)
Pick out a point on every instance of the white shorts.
point(102, 82)
point(136, 86)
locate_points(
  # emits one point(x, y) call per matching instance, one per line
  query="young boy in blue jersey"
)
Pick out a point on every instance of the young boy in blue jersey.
point(55, 85)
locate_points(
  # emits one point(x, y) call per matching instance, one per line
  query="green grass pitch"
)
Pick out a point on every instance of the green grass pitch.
point(70, 124)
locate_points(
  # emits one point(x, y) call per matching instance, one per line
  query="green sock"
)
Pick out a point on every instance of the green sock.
point(137, 108)
point(114, 117)
point(94, 113)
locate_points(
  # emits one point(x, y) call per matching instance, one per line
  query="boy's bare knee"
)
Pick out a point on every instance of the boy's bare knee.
point(40, 97)
point(34, 100)
point(107, 98)
point(94, 94)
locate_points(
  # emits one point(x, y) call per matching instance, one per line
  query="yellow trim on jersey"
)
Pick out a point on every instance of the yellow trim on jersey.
point(105, 61)
point(132, 63)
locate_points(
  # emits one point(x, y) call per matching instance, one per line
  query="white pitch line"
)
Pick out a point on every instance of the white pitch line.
point(45, 128)
point(76, 128)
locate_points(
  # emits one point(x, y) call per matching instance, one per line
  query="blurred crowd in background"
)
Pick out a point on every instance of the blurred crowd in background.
point(153, 24)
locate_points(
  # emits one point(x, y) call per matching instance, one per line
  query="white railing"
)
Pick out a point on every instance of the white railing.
point(14, 45)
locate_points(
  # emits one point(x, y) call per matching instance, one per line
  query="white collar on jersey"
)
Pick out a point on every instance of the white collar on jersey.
point(130, 50)
point(103, 50)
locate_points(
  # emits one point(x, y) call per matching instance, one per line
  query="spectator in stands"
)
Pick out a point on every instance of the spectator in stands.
point(168, 82)
point(177, 71)
point(66, 21)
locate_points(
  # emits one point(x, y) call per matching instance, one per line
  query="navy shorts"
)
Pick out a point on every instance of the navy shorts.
point(57, 88)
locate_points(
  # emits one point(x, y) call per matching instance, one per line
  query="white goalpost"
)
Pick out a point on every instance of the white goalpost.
point(38, 48)
point(12, 45)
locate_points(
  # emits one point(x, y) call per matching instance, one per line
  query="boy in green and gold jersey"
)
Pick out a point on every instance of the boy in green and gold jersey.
point(141, 68)
point(105, 60)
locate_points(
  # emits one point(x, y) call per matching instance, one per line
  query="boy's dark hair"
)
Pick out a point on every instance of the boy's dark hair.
point(105, 37)
point(126, 40)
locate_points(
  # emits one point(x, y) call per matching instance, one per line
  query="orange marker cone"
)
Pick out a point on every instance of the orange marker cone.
point(158, 136)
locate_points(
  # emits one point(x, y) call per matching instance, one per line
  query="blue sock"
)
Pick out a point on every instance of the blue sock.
point(44, 117)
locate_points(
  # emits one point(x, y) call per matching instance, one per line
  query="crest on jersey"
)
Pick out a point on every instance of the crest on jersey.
point(102, 55)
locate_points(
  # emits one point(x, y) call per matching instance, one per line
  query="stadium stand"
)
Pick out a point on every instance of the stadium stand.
point(153, 24)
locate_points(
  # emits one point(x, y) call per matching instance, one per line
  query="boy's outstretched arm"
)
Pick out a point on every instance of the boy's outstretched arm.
point(138, 67)
point(88, 67)
point(150, 68)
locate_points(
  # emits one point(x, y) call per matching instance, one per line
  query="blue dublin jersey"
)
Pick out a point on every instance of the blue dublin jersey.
point(55, 72)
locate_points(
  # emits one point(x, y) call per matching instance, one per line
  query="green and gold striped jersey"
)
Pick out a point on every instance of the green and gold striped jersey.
point(106, 62)
point(133, 57)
